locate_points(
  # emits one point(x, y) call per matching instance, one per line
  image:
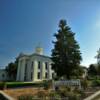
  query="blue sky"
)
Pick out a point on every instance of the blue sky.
point(26, 23)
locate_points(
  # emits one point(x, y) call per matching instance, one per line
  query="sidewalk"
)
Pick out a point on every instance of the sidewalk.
point(93, 95)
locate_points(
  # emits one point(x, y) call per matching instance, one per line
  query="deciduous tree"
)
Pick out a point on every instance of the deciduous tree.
point(12, 69)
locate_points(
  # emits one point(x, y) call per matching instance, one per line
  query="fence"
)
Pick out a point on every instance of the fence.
point(67, 83)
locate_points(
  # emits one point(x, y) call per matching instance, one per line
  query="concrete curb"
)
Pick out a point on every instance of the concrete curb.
point(93, 95)
point(6, 96)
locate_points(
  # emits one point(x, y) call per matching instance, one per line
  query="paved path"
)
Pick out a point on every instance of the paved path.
point(93, 96)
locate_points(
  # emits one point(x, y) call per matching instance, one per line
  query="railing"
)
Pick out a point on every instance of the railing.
point(67, 83)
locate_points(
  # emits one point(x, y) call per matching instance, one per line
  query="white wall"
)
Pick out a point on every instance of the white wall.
point(35, 59)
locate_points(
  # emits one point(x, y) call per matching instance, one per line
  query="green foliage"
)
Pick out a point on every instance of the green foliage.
point(98, 69)
point(92, 77)
point(3, 85)
point(84, 83)
point(26, 97)
point(47, 84)
point(41, 95)
point(18, 84)
point(74, 97)
point(70, 94)
point(63, 94)
point(12, 69)
point(79, 92)
point(54, 95)
point(77, 73)
point(92, 70)
point(96, 83)
point(66, 54)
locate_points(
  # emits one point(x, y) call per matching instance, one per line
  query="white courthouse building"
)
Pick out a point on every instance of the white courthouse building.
point(34, 67)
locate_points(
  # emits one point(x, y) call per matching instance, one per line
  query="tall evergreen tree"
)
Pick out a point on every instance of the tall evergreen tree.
point(66, 54)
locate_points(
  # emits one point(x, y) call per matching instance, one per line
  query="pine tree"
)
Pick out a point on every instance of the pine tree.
point(66, 54)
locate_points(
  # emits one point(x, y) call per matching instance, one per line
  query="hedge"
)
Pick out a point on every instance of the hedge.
point(2, 85)
point(19, 84)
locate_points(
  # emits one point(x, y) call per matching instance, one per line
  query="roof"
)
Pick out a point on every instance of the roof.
point(40, 55)
point(34, 54)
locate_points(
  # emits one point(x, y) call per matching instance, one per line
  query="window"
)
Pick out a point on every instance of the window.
point(3, 75)
point(31, 75)
point(46, 65)
point(46, 75)
point(38, 75)
point(39, 65)
point(53, 75)
point(32, 65)
point(25, 72)
point(25, 68)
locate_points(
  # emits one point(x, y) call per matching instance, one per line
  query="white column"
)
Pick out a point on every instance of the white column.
point(22, 70)
point(49, 71)
point(35, 72)
point(43, 71)
point(18, 71)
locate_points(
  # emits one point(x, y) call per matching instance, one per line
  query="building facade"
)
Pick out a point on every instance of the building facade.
point(34, 67)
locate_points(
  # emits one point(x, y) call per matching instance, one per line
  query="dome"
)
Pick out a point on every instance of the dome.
point(39, 50)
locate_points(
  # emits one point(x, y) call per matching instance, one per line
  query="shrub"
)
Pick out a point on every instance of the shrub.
point(64, 93)
point(84, 83)
point(96, 83)
point(26, 97)
point(47, 84)
point(70, 95)
point(54, 95)
point(74, 97)
point(68, 89)
point(3, 85)
point(22, 84)
point(41, 94)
